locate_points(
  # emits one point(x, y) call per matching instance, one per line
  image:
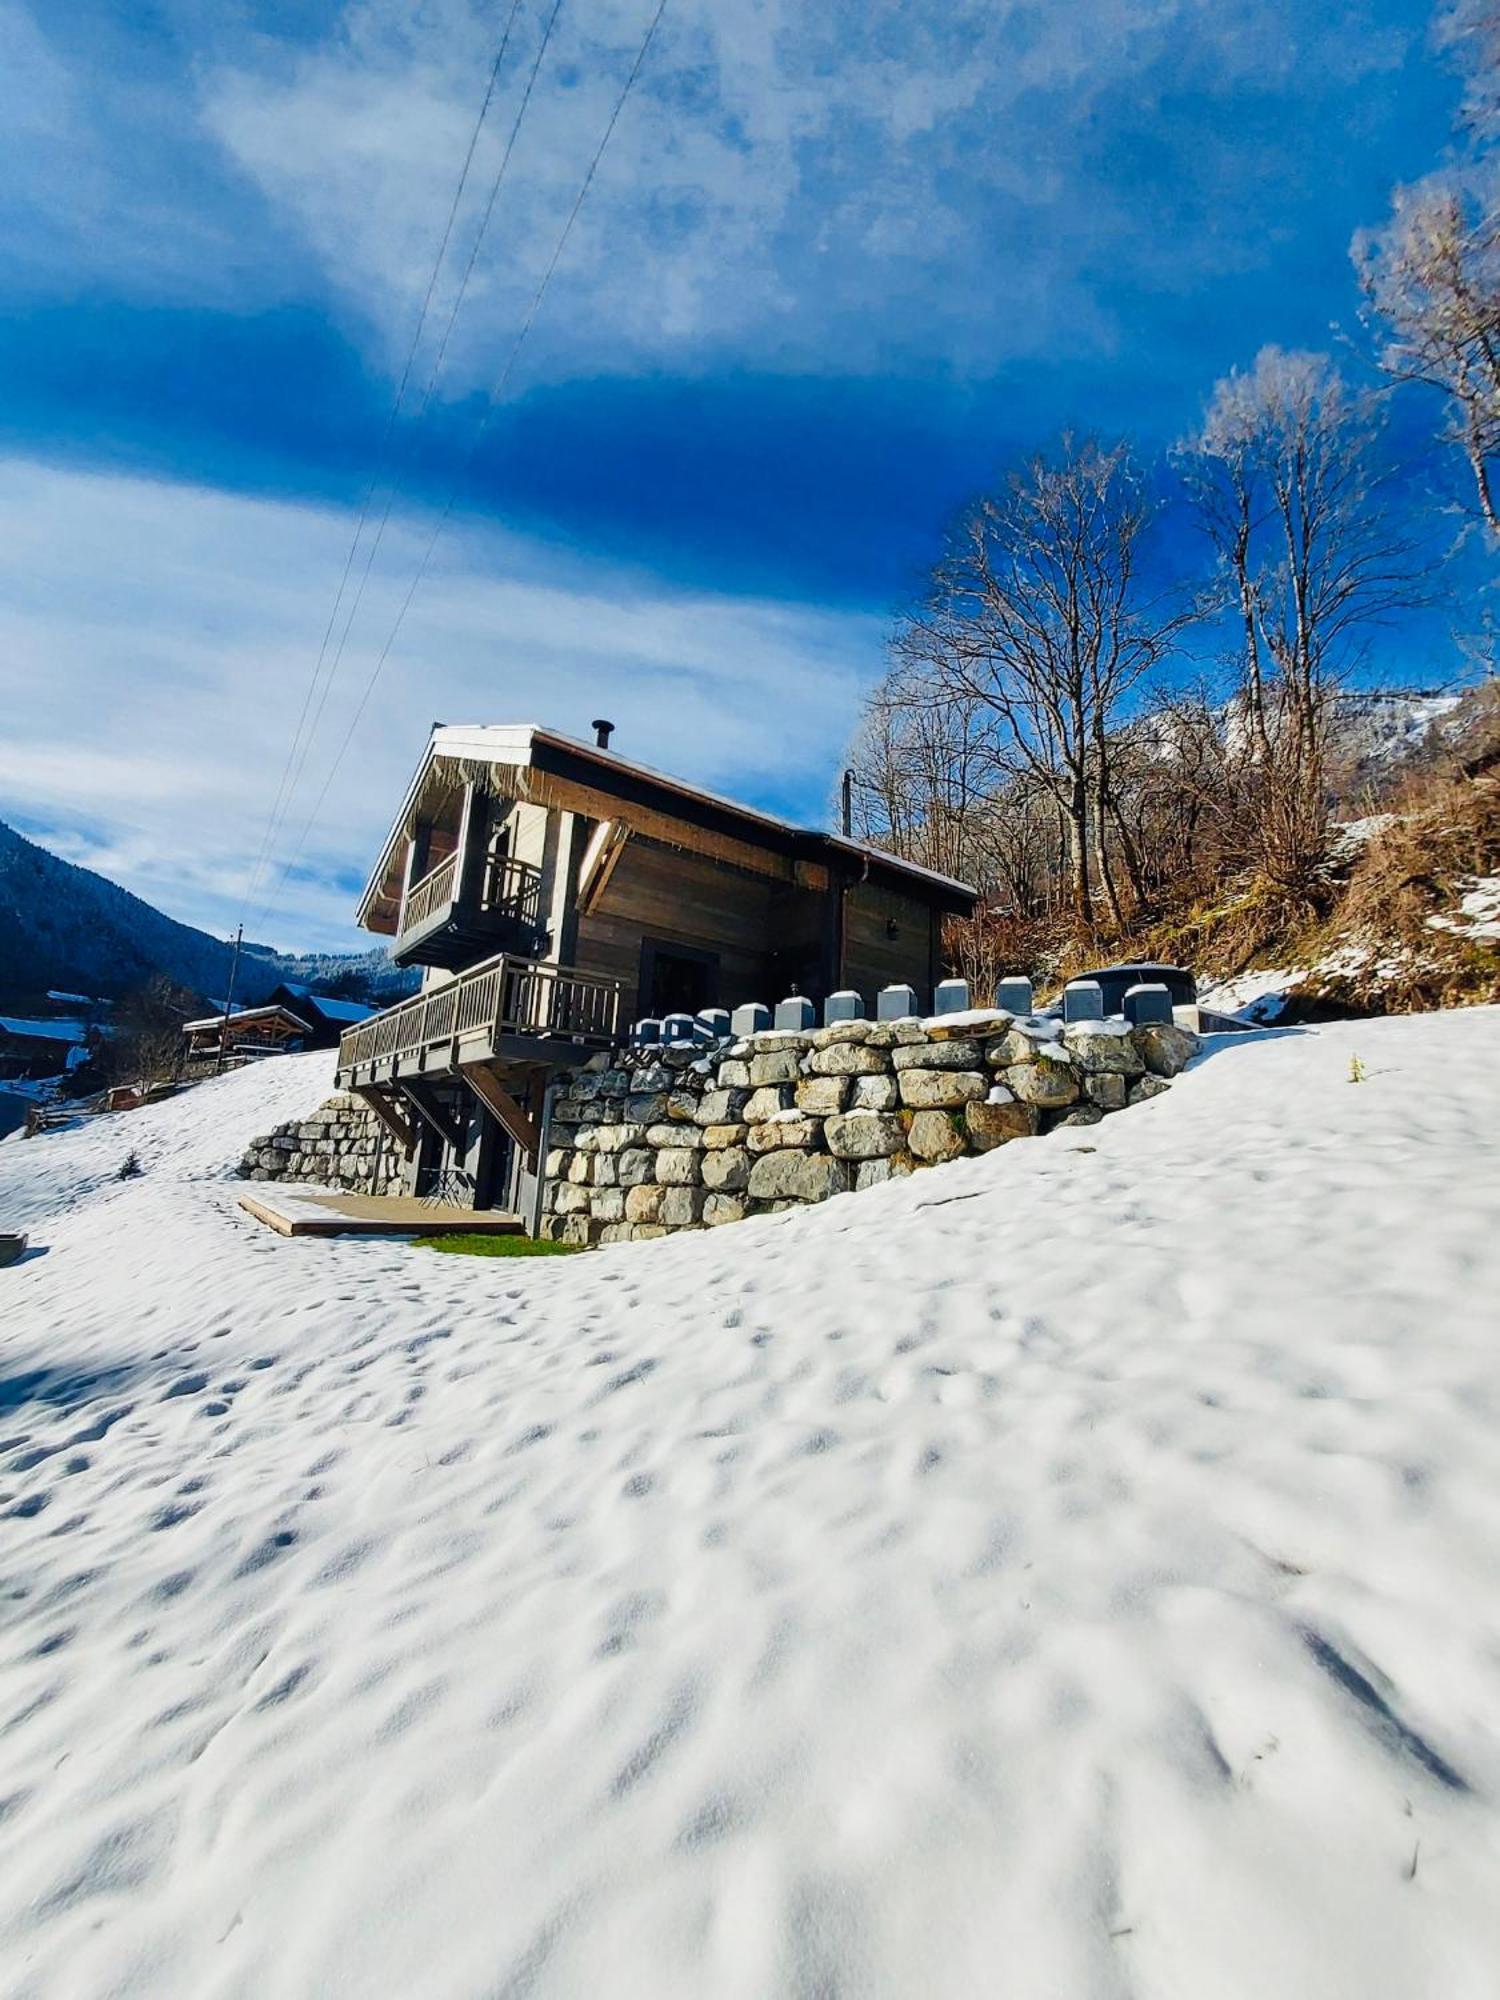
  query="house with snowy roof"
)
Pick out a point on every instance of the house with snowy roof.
point(553, 891)
point(38, 1048)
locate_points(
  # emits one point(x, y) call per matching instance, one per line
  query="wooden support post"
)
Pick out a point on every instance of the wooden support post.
point(543, 1139)
point(465, 875)
point(493, 1095)
point(400, 1129)
point(430, 1115)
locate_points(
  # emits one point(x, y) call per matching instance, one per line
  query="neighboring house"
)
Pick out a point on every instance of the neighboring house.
point(326, 1017)
point(553, 893)
point(293, 1017)
point(41, 1048)
point(272, 1030)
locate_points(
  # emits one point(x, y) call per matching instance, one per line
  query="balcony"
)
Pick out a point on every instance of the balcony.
point(510, 1009)
point(441, 925)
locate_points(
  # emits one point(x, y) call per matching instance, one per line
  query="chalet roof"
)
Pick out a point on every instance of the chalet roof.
point(325, 1004)
point(243, 1014)
point(44, 1031)
point(507, 754)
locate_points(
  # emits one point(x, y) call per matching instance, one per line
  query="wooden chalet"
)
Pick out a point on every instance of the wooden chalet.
point(271, 1030)
point(553, 893)
point(41, 1048)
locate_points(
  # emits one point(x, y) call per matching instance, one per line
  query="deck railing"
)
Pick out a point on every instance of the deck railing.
point(513, 889)
point(504, 996)
point(425, 898)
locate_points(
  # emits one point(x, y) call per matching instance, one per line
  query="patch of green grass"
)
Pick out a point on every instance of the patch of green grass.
point(472, 1244)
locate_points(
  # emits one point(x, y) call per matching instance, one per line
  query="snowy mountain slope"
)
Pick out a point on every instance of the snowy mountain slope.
point(61, 925)
point(1065, 1573)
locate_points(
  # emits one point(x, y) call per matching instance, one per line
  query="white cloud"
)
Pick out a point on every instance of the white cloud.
point(156, 642)
point(872, 180)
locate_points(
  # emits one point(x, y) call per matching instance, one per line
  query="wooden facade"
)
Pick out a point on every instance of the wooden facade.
point(554, 893)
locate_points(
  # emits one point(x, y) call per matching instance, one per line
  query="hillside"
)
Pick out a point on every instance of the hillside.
point(1077, 1562)
point(67, 927)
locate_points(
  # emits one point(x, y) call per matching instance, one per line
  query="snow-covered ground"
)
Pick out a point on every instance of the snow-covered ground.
point(1068, 1573)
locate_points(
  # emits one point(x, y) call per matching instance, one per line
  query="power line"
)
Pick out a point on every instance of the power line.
point(495, 398)
point(283, 790)
point(432, 380)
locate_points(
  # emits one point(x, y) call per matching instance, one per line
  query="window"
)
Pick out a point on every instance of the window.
point(677, 979)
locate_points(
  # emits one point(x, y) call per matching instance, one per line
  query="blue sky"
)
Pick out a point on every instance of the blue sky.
point(841, 261)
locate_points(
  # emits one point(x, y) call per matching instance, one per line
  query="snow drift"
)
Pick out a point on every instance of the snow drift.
point(1069, 1572)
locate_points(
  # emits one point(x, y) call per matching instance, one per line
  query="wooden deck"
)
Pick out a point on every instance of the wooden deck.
point(300, 1212)
point(507, 1008)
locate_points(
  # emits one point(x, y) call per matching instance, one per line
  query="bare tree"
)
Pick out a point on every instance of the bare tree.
point(1470, 30)
point(146, 1045)
point(1289, 488)
point(1038, 624)
point(1431, 280)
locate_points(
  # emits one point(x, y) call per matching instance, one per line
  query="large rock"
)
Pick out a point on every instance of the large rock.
point(635, 1166)
point(864, 1135)
point(1164, 1048)
point(1148, 1086)
point(976, 1023)
point(840, 1031)
point(930, 1089)
point(608, 1204)
point(934, 1135)
point(765, 1103)
point(1103, 1048)
point(643, 1204)
point(678, 1166)
point(615, 1138)
point(788, 1130)
point(822, 1095)
point(874, 1093)
point(721, 1107)
point(874, 1173)
point(1047, 1084)
point(726, 1172)
point(1022, 1042)
point(796, 1177)
point(718, 1138)
point(963, 1053)
point(734, 1073)
point(848, 1059)
point(674, 1135)
point(1108, 1092)
point(774, 1066)
point(681, 1207)
point(570, 1199)
point(718, 1208)
point(989, 1125)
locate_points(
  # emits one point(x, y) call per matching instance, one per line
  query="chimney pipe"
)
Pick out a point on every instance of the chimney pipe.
point(847, 803)
point(602, 731)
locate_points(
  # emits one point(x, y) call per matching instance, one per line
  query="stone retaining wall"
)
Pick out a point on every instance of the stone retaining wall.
point(343, 1145)
point(649, 1141)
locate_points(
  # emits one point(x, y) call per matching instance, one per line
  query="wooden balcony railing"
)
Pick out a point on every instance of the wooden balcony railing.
point(513, 889)
point(425, 898)
point(472, 1014)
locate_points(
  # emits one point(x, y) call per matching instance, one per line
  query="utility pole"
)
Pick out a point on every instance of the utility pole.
point(234, 966)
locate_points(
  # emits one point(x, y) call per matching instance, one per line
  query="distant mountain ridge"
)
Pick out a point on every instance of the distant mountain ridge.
point(68, 927)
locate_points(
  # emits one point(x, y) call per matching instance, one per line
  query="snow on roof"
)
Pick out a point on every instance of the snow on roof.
point(246, 1014)
point(327, 1006)
point(513, 743)
point(341, 1010)
point(47, 1031)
